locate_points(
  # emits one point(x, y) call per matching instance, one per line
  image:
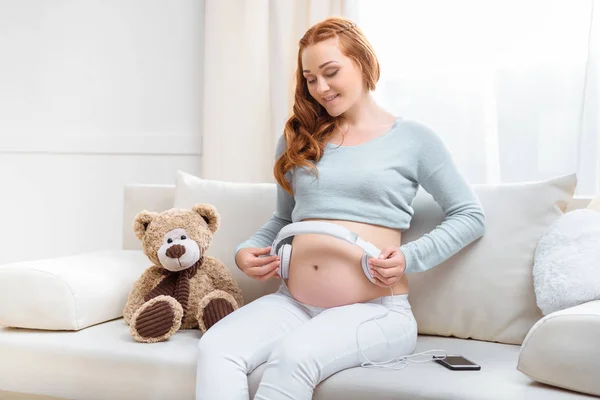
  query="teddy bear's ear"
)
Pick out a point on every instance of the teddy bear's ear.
point(209, 213)
point(140, 224)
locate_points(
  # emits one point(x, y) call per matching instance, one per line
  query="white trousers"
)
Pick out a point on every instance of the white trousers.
point(301, 344)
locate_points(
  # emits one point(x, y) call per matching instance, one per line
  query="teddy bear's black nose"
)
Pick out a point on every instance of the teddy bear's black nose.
point(175, 251)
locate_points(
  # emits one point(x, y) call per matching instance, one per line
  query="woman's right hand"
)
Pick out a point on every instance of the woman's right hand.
point(260, 268)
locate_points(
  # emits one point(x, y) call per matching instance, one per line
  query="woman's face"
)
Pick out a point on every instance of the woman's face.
point(332, 78)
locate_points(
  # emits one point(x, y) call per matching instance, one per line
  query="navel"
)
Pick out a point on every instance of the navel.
point(316, 267)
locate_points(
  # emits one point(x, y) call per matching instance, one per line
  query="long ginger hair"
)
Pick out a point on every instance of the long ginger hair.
point(310, 126)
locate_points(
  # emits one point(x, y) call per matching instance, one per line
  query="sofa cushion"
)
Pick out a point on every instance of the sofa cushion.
point(243, 208)
point(566, 269)
point(497, 379)
point(104, 362)
point(562, 349)
point(99, 362)
point(68, 293)
point(485, 291)
point(595, 204)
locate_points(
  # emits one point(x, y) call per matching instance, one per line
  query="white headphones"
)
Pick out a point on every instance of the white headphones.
point(320, 227)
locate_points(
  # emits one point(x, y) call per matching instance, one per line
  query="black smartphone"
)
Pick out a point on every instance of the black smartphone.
point(457, 363)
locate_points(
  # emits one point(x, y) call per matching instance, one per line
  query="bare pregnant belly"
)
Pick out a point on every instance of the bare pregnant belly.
point(326, 271)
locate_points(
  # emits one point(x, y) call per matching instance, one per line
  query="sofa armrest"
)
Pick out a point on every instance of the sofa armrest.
point(68, 293)
point(562, 349)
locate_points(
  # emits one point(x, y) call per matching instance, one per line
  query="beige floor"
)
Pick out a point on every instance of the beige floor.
point(21, 396)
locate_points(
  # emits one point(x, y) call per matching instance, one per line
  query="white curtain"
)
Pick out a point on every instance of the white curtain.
point(511, 86)
point(250, 50)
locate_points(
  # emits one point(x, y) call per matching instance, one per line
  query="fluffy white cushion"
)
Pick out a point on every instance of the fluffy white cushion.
point(485, 291)
point(68, 293)
point(562, 349)
point(243, 208)
point(566, 270)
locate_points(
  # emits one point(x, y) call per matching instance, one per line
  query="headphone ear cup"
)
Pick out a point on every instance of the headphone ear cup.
point(284, 253)
point(365, 266)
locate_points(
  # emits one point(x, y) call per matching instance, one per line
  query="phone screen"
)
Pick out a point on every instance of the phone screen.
point(457, 360)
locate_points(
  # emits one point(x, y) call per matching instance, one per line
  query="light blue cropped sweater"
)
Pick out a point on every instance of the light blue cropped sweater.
point(376, 182)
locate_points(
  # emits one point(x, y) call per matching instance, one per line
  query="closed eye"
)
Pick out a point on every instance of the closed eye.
point(331, 75)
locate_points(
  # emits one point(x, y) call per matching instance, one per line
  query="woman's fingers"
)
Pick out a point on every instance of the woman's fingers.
point(384, 272)
point(261, 261)
point(385, 280)
point(265, 269)
point(269, 275)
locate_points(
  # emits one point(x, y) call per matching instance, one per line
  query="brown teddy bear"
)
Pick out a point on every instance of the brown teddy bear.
point(184, 289)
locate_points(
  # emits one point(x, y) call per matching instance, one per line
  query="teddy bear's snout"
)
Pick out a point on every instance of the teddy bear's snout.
point(175, 251)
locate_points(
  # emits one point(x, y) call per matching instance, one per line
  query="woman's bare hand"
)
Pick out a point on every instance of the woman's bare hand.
point(249, 260)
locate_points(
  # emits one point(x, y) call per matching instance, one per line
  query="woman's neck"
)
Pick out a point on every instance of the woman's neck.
point(365, 114)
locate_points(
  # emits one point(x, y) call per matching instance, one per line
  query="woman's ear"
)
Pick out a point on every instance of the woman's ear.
point(141, 222)
point(209, 214)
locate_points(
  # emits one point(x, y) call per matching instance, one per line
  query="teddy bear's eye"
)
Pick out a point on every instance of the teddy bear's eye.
point(169, 240)
point(183, 237)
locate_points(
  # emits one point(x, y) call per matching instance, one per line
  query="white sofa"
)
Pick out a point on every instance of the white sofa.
point(97, 359)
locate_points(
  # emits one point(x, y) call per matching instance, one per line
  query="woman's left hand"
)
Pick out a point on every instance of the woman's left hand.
point(388, 267)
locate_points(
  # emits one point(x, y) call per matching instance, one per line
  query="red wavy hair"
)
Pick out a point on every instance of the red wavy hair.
point(310, 127)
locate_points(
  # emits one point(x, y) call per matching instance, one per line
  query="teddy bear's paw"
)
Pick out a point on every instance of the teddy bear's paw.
point(214, 307)
point(216, 310)
point(156, 320)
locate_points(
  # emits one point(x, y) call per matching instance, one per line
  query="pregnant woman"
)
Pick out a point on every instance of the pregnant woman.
point(346, 161)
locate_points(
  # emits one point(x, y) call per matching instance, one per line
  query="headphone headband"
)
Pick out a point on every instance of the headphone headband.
point(325, 228)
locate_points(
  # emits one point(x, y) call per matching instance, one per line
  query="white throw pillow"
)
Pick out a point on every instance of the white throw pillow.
point(68, 293)
point(243, 209)
point(485, 291)
point(566, 270)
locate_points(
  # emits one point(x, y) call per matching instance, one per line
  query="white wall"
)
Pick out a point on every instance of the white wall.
point(94, 94)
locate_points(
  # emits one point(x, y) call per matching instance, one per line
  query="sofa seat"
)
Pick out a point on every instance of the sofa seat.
point(102, 362)
point(98, 362)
